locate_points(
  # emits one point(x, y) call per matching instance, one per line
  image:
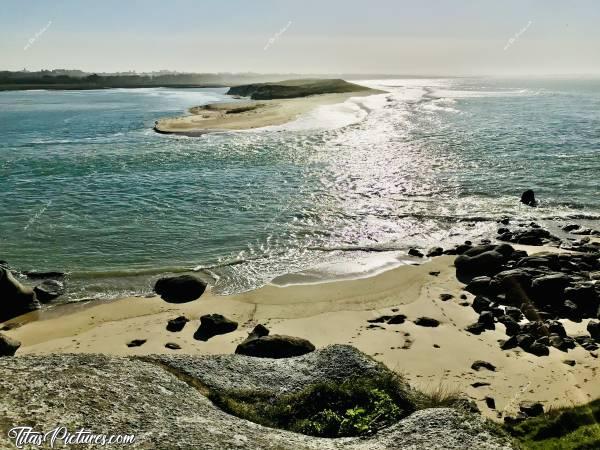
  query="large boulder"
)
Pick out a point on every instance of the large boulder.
point(180, 289)
point(49, 290)
point(486, 263)
point(275, 346)
point(549, 289)
point(15, 299)
point(213, 325)
point(528, 198)
point(8, 346)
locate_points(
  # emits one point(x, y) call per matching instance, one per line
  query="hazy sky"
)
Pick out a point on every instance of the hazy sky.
point(308, 36)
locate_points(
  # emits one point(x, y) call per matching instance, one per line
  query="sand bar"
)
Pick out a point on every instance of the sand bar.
point(249, 114)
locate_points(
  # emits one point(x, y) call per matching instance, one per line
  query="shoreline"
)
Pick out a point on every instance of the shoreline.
point(249, 114)
point(337, 312)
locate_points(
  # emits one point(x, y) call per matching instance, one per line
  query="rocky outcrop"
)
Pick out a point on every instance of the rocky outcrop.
point(49, 290)
point(8, 346)
point(15, 299)
point(180, 289)
point(173, 412)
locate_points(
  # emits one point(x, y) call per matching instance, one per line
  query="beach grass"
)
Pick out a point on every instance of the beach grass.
point(354, 407)
point(566, 428)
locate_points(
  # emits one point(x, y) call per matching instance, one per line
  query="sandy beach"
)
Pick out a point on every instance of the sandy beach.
point(338, 312)
point(249, 114)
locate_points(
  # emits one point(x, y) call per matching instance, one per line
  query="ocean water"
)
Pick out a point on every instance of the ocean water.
point(88, 188)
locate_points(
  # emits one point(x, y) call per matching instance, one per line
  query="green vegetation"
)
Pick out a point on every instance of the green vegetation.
point(354, 407)
point(574, 428)
point(294, 88)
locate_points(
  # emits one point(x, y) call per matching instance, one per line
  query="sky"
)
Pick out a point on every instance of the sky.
point(426, 37)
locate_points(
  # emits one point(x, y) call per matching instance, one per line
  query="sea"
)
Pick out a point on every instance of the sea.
point(89, 189)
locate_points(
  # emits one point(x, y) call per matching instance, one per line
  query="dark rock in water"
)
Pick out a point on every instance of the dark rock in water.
point(532, 409)
point(136, 343)
point(478, 384)
point(478, 365)
point(481, 304)
point(180, 289)
point(475, 328)
point(570, 362)
point(446, 297)
point(486, 318)
point(571, 227)
point(504, 220)
point(49, 290)
point(275, 346)
point(528, 198)
point(490, 402)
point(177, 324)
point(212, 325)
point(426, 322)
point(486, 263)
point(8, 346)
point(434, 273)
point(435, 251)
point(34, 275)
point(397, 319)
point(594, 329)
point(503, 230)
point(415, 252)
point(15, 299)
point(512, 327)
point(173, 346)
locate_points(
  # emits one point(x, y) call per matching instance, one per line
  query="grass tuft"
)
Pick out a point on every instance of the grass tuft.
point(567, 428)
point(354, 407)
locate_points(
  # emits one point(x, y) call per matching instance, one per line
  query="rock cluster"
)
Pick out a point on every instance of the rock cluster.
point(543, 288)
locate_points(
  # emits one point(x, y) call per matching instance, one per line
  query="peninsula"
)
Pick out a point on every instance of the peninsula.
point(262, 104)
